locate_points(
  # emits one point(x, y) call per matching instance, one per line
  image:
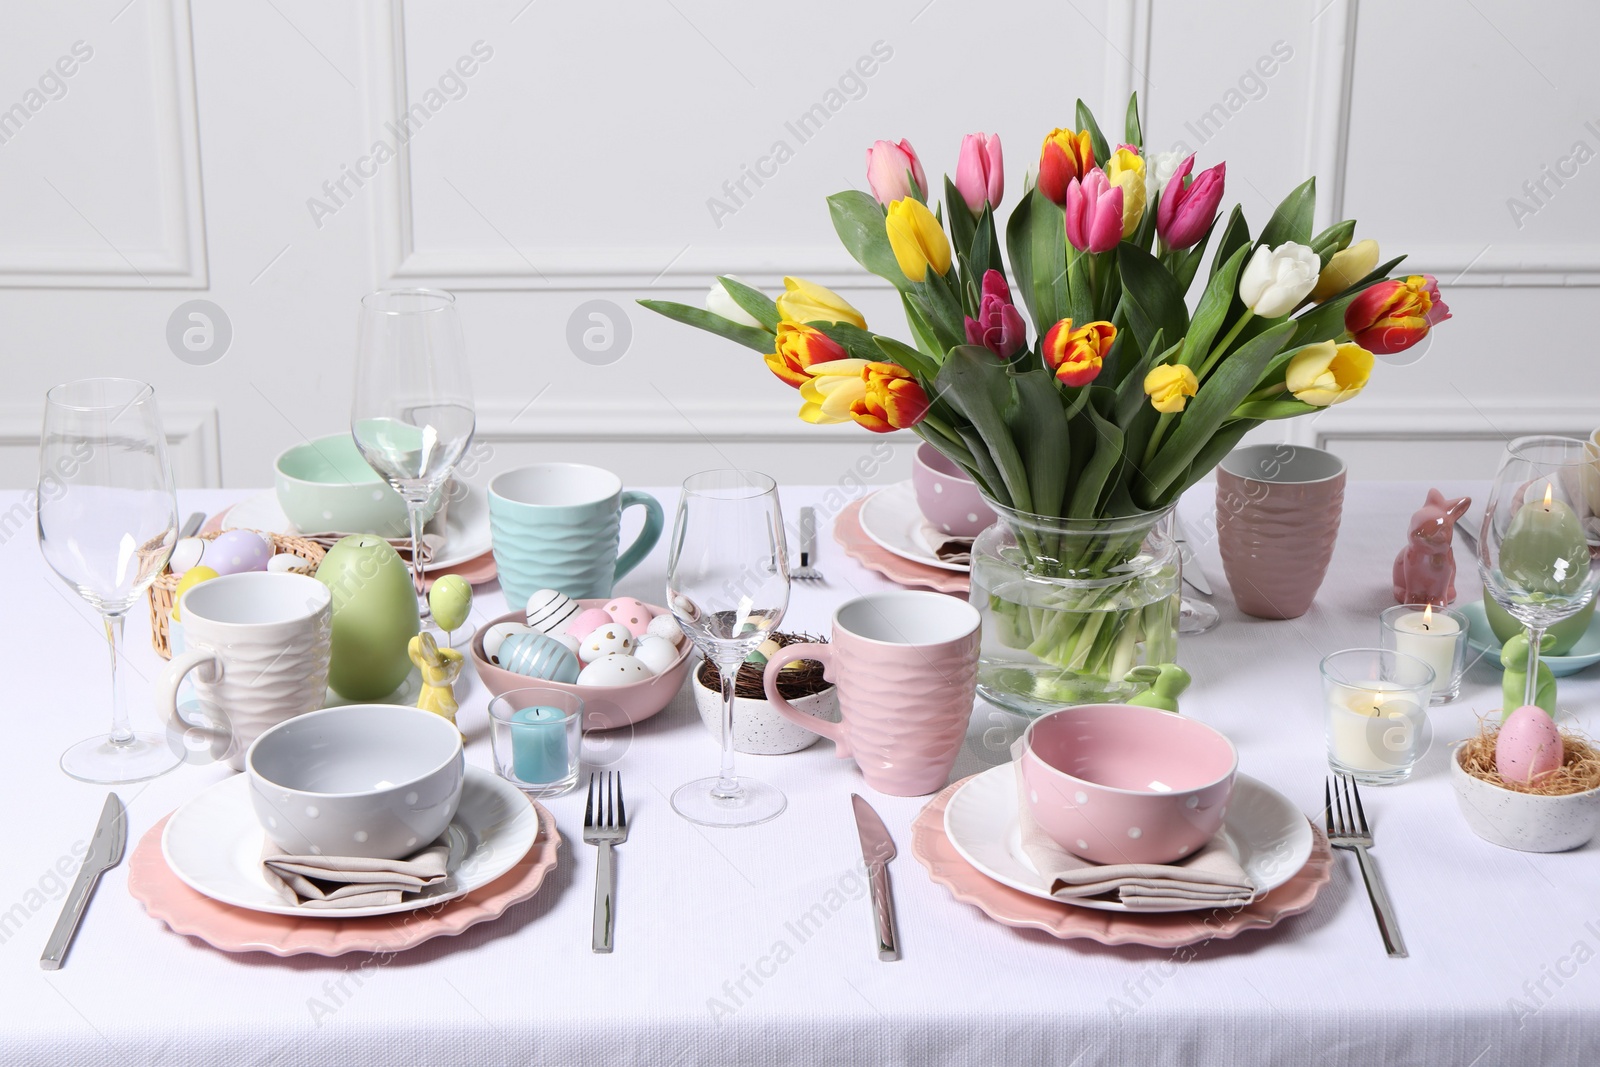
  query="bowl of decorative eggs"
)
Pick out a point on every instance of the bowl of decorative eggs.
point(626, 659)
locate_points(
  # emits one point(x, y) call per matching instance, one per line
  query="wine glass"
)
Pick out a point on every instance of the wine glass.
point(728, 587)
point(412, 417)
point(1539, 552)
point(107, 522)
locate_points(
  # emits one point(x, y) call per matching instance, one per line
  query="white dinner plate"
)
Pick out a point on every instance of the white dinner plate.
point(1266, 833)
point(466, 523)
point(214, 844)
point(892, 519)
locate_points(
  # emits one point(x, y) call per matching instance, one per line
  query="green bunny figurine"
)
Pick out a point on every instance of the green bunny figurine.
point(1167, 682)
point(1514, 686)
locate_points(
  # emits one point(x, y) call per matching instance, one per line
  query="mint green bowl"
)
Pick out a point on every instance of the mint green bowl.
point(326, 485)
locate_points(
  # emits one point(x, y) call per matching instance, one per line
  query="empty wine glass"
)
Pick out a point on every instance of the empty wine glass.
point(412, 417)
point(728, 586)
point(107, 522)
point(1539, 552)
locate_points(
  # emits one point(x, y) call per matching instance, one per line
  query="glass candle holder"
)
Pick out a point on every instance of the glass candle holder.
point(537, 735)
point(1437, 636)
point(1375, 703)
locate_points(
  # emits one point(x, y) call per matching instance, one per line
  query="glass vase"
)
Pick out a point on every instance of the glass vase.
point(1074, 608)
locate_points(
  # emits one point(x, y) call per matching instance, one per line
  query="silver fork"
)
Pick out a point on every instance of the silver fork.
point(807, 571)
point(605, 823)
point(1347, 828)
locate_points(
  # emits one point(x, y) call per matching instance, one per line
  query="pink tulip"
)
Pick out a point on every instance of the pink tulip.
point(1189, 207)
point(980, 173)
point(999, 326)
point(891, 171)
point(1094, 213)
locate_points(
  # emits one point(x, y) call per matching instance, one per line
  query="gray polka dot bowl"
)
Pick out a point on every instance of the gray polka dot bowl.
point(373, 780)
point(1117, 783)
point(1524, 821)
point(758, 729)
point(948, 499)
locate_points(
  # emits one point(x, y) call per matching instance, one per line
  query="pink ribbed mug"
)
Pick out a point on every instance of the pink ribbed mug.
point(1278, 512)
point(906, 666)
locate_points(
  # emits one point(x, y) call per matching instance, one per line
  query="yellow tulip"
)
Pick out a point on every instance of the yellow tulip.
point(917, 239)
point(1345, 269)
point(1126, 171)
point(832, 390)
point(1170, 386)
point(804, 301)
point(1327, 373)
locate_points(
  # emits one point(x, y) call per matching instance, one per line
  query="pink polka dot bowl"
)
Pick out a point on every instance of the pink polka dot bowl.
point(1117, 783)
point(949, 500)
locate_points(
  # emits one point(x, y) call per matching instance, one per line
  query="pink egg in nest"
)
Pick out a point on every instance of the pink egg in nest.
point(587, 622)
point(1528, 747)
point(633, 614)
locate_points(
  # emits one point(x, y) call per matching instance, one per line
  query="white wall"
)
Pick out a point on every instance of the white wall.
point(577, 160)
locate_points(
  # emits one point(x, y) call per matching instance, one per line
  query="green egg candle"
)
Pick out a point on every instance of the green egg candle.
point(1544, 551)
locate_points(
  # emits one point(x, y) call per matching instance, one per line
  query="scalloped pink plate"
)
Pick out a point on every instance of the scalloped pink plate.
point(231, 929)
point(1165, 930)
point(873, 556)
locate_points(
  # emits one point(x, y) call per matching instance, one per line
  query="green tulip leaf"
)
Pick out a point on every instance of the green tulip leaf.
point(1219, 298)
point(977, 384)
point(1091, 483)
point(984, 464)
point(859, 221)
point(926, 370)
point(749, 336)
point(1334, 239)
point(961, 223)
point(1226, 439)
point(757, 304)
point(1039, 426)
point(1045, 251)
point(1273, 409)
point(1102, 147)
point(1154, 302)
point(1234, 235)
point(1292, 220)
point(1134, 134)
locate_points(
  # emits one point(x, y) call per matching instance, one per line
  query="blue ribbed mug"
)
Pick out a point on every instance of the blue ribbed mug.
point(556, 526)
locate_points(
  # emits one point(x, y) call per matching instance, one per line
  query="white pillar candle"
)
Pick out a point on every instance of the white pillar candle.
point(1432, 639)
point(1375, 727)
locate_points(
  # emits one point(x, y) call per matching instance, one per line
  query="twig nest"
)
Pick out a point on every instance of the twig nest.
point(1539, 763)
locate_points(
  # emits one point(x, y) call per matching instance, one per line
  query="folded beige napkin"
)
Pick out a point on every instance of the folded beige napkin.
point(949, 549)
point(1210, 877)
point(352, 881)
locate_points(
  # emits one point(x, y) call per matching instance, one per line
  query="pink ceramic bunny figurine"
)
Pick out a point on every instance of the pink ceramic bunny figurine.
point(1425, 570)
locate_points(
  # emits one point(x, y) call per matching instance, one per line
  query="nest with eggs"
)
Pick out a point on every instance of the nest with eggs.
point(802, 678)
point(1579, 771)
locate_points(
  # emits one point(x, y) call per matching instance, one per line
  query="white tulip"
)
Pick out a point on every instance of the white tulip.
point(1158, 172)
point(718, 302)
point(1276, 279)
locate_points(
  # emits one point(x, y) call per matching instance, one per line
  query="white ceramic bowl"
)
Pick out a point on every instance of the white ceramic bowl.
point(1525, 821)
point(374, 780)
point(757, 728)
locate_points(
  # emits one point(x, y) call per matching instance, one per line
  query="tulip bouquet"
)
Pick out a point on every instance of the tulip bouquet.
point(1123, 397)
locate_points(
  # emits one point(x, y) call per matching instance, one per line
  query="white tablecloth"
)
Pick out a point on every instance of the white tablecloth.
point(1503, 944)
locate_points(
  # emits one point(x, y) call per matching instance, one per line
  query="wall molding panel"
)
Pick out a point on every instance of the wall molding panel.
point(194, 440)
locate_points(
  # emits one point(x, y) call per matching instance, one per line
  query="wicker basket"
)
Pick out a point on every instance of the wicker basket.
point(166, 584)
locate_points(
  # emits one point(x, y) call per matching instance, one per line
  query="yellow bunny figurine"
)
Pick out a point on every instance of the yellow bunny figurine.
point(440, 668)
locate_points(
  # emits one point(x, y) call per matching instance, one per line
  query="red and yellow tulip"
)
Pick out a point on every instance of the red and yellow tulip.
point(880, 396)
point(1075, 356)
point(1395, 314)
point(798, 352)
point(1067, 154)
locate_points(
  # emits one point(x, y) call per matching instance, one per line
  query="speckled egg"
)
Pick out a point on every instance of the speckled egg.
point(238, 551)
point(612, 639)
point(185, 554)
point(587, 622)
point(495, 635)
point(631, 613)
point(657, 653)
point(289, 563)
point(550, 611)
point(539, 656)
point(665, 626)
point(1529, 746)
point(614, 670)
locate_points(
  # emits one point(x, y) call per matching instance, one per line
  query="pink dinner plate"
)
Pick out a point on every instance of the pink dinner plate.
point(231, 929)
point(863, 549)
point(1165, 930)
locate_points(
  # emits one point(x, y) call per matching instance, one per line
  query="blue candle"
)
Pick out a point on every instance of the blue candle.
point(539, 745)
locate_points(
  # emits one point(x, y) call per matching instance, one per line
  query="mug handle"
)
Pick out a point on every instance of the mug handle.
point(648, 536)
point(202, 659)
point(769, 681)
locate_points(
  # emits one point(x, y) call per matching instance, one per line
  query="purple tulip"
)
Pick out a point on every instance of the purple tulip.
point(999, 326)
point(1094, 212)
point(1188, 207)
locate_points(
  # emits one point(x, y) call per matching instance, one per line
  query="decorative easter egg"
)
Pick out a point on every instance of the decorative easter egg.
point(572, 643)
point(633, 614)
point(191, 578)
point(495, 635)
point(450, 601)
point(657, 653)
point(587, 622)
point(763, 652)
point(1529, 746)
point(614, 670)
point(185, 554)
point(612, 639)
point(238, 551)
point(550, 611)
point(666, 626)
point(539, 656)
point(289, 563)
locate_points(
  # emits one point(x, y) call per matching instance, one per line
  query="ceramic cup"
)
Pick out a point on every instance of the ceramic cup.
point(555, 526)
point(258, 644)
point(949, 500)
point(906, 668)
point(1278, 511)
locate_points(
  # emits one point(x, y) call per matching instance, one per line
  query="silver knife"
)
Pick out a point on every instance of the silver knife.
point(192, 524)
point(877, 849)
point(105, 852)
point(1191, 562)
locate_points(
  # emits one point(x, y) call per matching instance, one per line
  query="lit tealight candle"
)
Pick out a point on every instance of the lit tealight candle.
point(1357, 736)
point(1434, 639)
